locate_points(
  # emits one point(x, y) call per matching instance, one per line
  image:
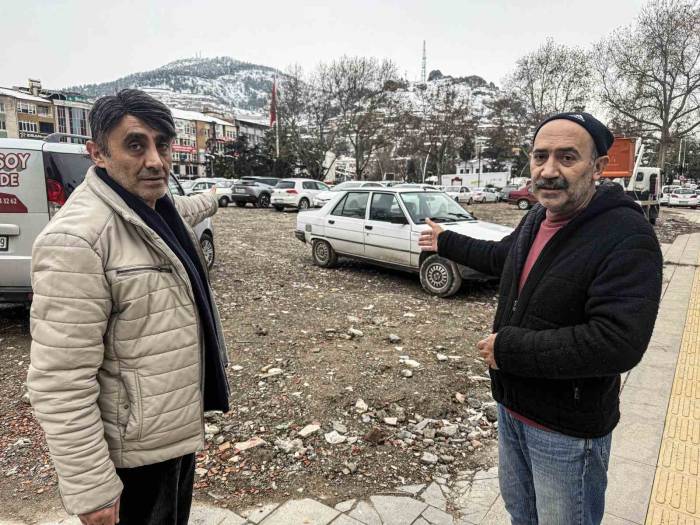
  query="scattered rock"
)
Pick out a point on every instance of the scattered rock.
point(445, 458)
point(490, 411)
point(251, 443)
point(428, 458)
point(391, 421)
point(308, 430)
point(290, 446)
point(460, 398)
point(361, 406)
point(376, 436)
point(339, 427)
point(407, 373)
point(441, 357)
point(353, 319)
point(411, 363)
point(394, 339)
point(211, 430)
point(272, 372)
point(448, 430)
point(334, 438)
point(354, 332)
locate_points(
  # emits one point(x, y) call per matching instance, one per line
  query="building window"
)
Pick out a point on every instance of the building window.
point(78, 119)
point(2, 107)
point(28, 126)
point(43, 111)
point(61, 112)
point(191, 170)
point(2, 125)
point(25, 107)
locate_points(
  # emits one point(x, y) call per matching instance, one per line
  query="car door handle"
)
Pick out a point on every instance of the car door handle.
point(331, 222)
point(367, 227)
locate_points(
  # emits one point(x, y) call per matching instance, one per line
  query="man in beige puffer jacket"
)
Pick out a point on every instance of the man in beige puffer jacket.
point(127, 344)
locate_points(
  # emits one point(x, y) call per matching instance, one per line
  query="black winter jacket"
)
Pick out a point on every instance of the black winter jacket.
point(585, 315)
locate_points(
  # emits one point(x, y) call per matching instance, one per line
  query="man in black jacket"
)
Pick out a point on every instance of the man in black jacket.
point(579, 294)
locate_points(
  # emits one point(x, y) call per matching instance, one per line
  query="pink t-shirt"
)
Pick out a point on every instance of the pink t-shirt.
point(547, 230)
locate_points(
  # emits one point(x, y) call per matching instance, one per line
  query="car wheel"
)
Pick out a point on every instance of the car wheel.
point(207, 245)
point(523, 204)
point(263, 200)
point(440, 276)
point(323, 254)
point(279, 208)
point(223, 202)
point(240, 204)
point(303, 204)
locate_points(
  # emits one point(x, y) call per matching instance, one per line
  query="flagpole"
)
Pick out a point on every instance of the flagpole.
point(277, 127)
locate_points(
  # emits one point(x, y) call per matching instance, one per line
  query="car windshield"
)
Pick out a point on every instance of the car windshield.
point(434, 205)
point(684, 191)
point(223, 184)
point(285, 184)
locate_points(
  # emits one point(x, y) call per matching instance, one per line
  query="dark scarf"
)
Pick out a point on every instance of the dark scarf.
point(168, 225)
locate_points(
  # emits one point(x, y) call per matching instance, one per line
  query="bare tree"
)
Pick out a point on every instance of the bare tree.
point(552, 79)
point(305, 110)
point(360, 90)
point(650, 71)
point(445, 121)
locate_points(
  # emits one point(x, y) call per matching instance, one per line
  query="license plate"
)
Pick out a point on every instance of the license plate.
point(4, 243)
point(240, 190)
point(684, 202)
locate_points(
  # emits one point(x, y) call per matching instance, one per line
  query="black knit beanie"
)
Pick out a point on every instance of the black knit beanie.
point(602, 137)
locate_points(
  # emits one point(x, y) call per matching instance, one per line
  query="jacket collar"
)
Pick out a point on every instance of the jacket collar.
point(112, 198)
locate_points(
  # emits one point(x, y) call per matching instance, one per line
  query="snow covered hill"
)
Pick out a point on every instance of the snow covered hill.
point(220, 83)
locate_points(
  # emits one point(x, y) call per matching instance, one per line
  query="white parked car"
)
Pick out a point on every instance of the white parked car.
point(296, 193)
point(383, 225)
point(485, 195)
point(416, 186)
point(461, 194)
point(683, 197)
point(325, 196)
point(223, 189)
point(666, 194)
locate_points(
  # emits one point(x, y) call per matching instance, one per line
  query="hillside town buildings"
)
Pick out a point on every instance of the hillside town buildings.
point(34, 112)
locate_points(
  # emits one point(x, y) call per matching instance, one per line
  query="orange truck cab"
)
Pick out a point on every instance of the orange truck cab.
point(643, 184)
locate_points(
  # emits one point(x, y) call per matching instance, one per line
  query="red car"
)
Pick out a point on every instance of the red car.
point(522, 198)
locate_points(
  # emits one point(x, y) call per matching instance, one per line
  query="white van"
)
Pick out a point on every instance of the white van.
point(36, 178)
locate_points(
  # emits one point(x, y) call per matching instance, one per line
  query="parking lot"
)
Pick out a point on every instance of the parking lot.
point(362, 352)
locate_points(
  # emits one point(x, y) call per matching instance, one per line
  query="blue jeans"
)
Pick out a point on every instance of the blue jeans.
point(548, 478)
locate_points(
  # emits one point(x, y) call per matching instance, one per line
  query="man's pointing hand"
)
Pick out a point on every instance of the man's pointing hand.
point(428, 238)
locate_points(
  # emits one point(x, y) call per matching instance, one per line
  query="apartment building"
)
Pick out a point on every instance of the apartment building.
point(199, 136)
point(23, 115)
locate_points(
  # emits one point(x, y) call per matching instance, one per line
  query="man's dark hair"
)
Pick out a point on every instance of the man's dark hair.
point(108, 111)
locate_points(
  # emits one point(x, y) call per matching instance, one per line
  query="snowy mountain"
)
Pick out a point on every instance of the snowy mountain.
point(220, 83)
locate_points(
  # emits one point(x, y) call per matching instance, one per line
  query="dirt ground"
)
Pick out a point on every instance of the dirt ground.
point(309, 346)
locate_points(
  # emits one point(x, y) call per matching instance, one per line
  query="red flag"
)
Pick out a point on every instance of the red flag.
point(273, 104)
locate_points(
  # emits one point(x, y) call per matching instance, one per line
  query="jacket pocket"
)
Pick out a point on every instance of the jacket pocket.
point(143, 269)
point(133, 405)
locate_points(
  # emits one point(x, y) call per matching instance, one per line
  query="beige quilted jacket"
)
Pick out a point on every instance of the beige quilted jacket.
point(115, 376)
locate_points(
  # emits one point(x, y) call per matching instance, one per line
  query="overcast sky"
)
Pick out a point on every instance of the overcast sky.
point(65, 42)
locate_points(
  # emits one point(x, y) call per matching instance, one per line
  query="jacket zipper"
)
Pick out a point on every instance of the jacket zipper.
point(196, 313)
point(161, 269)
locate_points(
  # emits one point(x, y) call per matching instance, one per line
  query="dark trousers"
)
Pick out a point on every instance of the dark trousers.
point(158, 494)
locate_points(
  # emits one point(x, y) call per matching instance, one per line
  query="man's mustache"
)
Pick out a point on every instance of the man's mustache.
point(559, 183)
